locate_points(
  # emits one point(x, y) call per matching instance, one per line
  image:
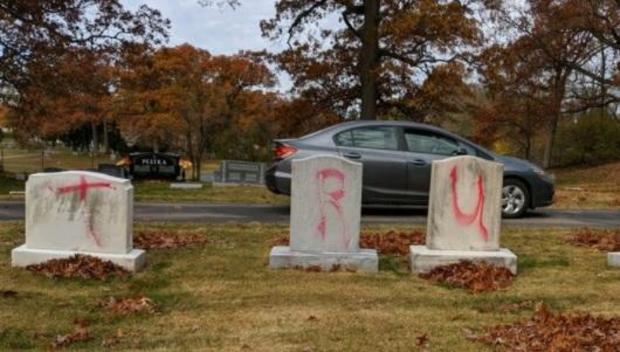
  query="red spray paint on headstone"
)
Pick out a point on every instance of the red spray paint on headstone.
point(82, 189)
point(466, 219)
point(333, 199)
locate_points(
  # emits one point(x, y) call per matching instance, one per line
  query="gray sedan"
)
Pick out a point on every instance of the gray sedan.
point(397, 159)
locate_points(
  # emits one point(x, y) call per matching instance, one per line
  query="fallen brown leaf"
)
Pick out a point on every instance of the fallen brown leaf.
point(125, 306)
point(281, 240)
point(477, 277)
point(422, 340)
point(602, 240)
point(81, 266)
point(8, 293)
point(392, 242)
point(80, 333)
point(166, 240)
point(548, 331)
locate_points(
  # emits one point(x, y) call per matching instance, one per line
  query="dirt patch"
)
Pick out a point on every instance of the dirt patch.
point(605, 241)
point(81, 266)
point(79, 334)
point(126, 306)
point(392, 242)
point(548, 331)
point(476, 277)
point(166, 240)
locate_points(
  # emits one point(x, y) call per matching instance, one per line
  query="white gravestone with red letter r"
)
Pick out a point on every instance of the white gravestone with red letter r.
point(326, 193)
point(464, 215)
point(78, 212)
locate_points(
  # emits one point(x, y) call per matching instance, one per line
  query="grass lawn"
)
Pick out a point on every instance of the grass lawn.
point(588, 187)
point(220, 296)
point(161, 192)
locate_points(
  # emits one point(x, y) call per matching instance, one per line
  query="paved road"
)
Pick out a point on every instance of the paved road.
point(243, 213)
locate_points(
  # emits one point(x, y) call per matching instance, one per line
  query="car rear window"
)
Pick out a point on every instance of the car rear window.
point(379, 137)
point(429, 143)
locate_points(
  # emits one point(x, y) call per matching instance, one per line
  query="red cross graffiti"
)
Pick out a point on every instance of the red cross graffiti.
point(468, 218)
point(82, 189)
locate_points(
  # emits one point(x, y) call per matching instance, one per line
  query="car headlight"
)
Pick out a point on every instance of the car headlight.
point(540, 172)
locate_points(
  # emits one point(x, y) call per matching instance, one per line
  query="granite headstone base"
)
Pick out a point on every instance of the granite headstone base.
point(613, 259)
point(365, 260)
point(23, 256)
point(423, 259)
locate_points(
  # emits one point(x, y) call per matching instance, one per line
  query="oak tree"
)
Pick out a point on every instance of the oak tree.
point(376, 59)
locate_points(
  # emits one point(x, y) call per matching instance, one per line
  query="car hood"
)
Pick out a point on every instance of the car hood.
point(515, 163)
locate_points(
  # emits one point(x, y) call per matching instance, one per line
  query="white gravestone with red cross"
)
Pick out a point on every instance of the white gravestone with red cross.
point(326, 194)
point(464, 215)
point(78, 212)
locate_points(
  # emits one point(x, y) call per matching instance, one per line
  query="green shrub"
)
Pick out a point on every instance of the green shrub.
point(591, 139)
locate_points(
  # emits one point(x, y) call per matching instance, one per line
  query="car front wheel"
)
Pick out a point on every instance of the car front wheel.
point(515, 198)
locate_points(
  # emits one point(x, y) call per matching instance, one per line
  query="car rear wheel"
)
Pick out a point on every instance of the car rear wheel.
point(515, 198)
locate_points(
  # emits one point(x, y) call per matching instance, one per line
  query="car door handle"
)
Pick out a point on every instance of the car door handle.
point(418, 162)
point(352, 155)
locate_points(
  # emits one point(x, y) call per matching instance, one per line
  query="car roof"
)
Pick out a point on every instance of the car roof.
point(399, 123)
point(343, 126)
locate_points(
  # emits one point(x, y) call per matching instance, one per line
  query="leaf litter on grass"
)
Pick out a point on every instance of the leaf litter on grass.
point(79, 266)
point(80, 333)
point(476, 277)
point(129, 305)
point(161, 239)
point(549, 331)
point(391, 242)
point(602, 240)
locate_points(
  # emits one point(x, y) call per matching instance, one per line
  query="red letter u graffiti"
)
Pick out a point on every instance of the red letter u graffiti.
point(466, 219)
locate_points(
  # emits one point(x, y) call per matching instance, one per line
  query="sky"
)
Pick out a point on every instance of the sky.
point(220, 30)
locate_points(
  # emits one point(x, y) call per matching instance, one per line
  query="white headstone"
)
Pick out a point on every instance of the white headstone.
point(78, 212)
point(465, 204)
point(326, 204)
point(326, 195)
point(464, 215)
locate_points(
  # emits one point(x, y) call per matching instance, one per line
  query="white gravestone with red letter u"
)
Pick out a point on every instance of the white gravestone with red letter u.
point(464, 215)
point(326, 194)
point(78, 212)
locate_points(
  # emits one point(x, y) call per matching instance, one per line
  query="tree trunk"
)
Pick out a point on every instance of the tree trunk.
point(369, 59)
point(106, 139)
point(551, 131)
point(528, 147)
point(95, 137)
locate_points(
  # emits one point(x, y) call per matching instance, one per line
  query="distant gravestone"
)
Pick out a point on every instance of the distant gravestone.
point(240, 172)
point(155, 166)
point(464, 215)
point(325, 217)
point(78, 212)
point(613, 259)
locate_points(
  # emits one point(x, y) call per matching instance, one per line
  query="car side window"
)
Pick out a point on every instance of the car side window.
point(373, 137)
point(430, 143)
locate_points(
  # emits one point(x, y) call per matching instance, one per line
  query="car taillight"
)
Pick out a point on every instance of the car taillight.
point(282, 151)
